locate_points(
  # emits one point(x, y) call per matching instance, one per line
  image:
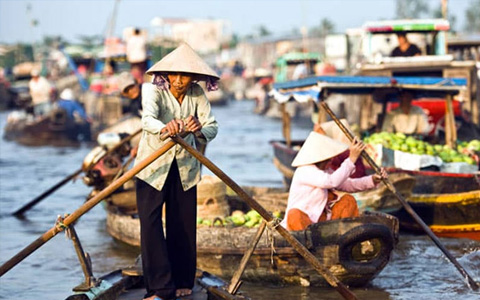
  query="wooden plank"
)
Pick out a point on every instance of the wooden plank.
point(286, 125)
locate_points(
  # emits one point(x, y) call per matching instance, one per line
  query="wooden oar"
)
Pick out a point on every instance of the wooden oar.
point(309, 257)
point(84, 208)
point(20, 211)
point(470, 282)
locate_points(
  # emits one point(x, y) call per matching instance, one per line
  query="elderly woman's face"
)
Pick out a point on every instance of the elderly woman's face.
point(179, 83)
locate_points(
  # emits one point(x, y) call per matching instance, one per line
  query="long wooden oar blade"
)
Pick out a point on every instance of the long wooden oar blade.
point(45, 194)
point(84, 208)
point(469, 280)
point(309, 257)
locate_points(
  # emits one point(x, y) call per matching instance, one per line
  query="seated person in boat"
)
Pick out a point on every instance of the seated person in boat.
point(405, 48)
point(331, 130)
point(406, 118)
point(314, 193)
point(131, 89)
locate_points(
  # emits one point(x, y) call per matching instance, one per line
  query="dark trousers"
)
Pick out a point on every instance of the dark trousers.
point(169, 262)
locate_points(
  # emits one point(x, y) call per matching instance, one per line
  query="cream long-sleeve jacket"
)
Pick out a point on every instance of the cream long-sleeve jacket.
point(310, 185)
point(416, 122)
point(159, 108)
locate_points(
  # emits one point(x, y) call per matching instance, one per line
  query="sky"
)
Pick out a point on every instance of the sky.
point(72, 18)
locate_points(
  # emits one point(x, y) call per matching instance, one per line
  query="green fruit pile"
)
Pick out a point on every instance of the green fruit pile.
point(401, 142)
point(236, 219)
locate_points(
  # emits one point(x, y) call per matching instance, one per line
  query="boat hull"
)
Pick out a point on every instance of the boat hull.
point(447, 215)
point(220, 249)
point(55, 129)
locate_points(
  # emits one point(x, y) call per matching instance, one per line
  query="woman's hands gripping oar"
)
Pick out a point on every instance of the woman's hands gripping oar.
point(24, 208)
point(470, 282)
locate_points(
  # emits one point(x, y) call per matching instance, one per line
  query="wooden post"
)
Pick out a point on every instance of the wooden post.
point(450, 129)
point(235, 282)
point(286, 125)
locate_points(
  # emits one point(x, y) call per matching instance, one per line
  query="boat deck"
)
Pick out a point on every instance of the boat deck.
point(199, 293)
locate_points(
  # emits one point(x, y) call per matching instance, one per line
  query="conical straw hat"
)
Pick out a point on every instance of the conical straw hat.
point(183, 59)
point(317, 148)
point(332, 130)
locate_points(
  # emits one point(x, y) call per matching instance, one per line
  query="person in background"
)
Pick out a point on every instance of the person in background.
point(172, 103)
point(313, 195)
point(40, 91)
point(405, 48)
point(407, 118)
point(137, 54)
point(75, 112)
point(131, 89)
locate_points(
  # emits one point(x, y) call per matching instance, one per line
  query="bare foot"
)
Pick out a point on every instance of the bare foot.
point(183, 292)
point(153, 298)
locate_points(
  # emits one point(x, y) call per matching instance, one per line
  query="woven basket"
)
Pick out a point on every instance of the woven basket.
point(211, 201)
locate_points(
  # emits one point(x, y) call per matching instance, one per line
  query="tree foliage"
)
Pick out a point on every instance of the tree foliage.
point(326, 27)
point(411, 9)
point(472, 17)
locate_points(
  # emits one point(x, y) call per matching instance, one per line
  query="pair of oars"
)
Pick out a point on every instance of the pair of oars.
point(469, 280)
point(19, 212)
point(322, 270)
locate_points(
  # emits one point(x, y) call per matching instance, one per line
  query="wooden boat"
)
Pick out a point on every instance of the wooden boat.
point(119, 285)
point(448, 214)
point(55, 129)
point(444, 211)
point(355, 249)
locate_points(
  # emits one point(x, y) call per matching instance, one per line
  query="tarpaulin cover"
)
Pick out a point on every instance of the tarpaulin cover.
point(306, 89)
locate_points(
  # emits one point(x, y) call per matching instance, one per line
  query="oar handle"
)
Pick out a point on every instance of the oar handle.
point(470, 282)
point(85, 207)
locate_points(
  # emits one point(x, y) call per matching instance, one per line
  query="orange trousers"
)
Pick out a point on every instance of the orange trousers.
point(346, 207)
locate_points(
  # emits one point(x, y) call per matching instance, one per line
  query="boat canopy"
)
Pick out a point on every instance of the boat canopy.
point(299, 56)
point(419, 25)
point(311, 88)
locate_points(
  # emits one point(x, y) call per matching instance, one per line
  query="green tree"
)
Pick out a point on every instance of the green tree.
point(411, 9)
point(472, 17)
point(326, 27)
point(263, 31)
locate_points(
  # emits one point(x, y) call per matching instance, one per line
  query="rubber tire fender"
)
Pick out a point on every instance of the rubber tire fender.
point(359, 234)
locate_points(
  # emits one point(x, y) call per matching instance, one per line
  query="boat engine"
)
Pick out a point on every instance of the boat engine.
point(105, 167)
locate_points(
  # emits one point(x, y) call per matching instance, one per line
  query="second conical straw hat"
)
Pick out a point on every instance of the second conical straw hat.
point(183, 59)
point(316, 148)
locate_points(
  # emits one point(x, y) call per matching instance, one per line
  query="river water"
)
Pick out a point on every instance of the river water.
point(417, 269)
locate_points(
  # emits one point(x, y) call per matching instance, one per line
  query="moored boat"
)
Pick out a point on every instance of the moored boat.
point(56, 128)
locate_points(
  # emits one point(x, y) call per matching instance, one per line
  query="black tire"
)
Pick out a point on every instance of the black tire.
point(347, 241)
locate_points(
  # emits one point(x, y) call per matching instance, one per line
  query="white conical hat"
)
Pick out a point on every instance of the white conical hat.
point(332, 130)
point(317, 148)
point(67, 94)
point(183, 59)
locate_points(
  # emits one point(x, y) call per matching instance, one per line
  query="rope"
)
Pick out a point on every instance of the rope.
point(60, 226)
point(271, 226)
